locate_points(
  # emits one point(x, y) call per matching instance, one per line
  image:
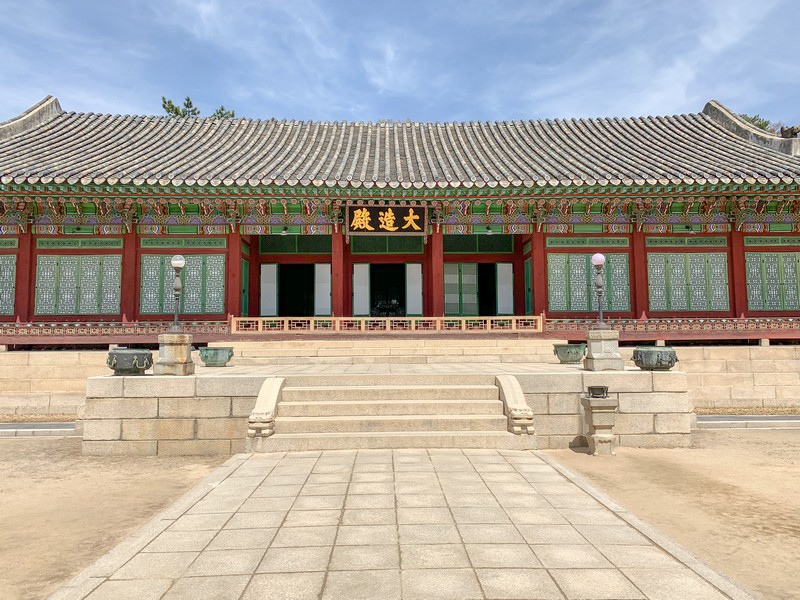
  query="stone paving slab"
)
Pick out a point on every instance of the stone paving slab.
point(405, 524)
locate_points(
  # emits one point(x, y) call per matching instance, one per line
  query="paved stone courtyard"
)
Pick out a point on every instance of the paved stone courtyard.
point(411, 524)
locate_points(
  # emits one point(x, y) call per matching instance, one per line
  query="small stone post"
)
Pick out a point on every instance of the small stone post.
point(602, 351)
point(601, 414)
point(174, 355)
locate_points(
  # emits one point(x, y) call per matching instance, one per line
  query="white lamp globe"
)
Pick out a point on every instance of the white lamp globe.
point(598, 260)
point(177, 262)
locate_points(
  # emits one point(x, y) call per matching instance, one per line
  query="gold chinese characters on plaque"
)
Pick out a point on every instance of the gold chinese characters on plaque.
point(364, 219)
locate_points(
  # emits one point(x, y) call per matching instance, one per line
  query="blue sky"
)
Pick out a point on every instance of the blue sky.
point(434, 60)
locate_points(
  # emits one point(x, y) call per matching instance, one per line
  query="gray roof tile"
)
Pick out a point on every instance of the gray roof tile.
point(53, 145)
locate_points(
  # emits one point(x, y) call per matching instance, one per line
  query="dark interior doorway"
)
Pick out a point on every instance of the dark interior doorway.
point(387, 290)
point(295, 290)
point(487, 289)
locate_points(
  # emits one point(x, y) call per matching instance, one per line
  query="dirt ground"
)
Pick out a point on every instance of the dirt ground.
point(60, 511)
point(733, 500)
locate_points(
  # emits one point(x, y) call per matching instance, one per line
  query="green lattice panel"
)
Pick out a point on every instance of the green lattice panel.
point(111, 284)
point(753, 276)
point(717, 281)
point(791, 294)
point(202, 280)
point(214, 284)
point(77, 285)
point(151, 292)
point(8, 278)
point(46, 274)
point(192, 296)
point(688, 281)
point(676, 282)
point(657, 281)
point(580, 279)
point(557, 282)
point(772, 280)
point(618, 282)
point(570, 283)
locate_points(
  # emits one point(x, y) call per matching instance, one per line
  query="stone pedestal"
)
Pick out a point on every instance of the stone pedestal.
point(174, 355)
point(601, 414)
point(602, 351)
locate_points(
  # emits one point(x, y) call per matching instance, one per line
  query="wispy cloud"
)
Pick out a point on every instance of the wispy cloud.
point(443, 60)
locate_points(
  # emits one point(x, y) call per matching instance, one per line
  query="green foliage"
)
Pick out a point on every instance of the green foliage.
point(190, 110)
point(223, 113)
point(173, 110)
point(758, 121)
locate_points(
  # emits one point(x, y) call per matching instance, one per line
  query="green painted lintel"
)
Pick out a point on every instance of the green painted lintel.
point(168, 242)
point(685, 241)
point(771, 240)
point(81, 243)
point(572, 242)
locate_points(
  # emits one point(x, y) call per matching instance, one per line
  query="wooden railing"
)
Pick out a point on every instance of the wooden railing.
point(385, 324)
point(57, 331)
point(677, 328)
point(681, 325)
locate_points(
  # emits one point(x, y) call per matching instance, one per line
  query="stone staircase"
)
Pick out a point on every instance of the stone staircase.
point(389, 411)
point(477, 348)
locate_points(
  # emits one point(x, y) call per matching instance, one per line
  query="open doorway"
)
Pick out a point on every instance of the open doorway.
point(296, 290)
point(387, 290)
point(487, 289)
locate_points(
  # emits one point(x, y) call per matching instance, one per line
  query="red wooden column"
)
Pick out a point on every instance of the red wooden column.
point(539, 275)
point(25, 283)
point(338, 276)
point(639, 293)
point(738, 274)
point(435, 284)
point(130, 278)
point(233, 293)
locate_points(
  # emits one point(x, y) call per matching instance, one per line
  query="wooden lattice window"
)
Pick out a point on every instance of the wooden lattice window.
point(687, 281)
point(78, 284)
point(570, 283)
point(203, 280)
point(772, 281)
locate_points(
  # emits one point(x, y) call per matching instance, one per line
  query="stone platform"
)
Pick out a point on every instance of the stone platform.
point(373, 405)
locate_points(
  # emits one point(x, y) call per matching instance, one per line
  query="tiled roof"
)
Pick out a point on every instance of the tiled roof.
point(47, 144)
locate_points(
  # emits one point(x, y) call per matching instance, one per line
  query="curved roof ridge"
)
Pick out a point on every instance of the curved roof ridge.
point(45, 110)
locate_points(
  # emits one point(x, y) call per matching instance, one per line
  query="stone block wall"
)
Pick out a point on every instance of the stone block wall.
point(47, 382)
point(167, 415)
point(741, 376)
point(655, 410)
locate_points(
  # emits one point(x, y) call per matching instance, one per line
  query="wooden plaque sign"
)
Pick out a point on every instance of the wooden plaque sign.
point(369, 219)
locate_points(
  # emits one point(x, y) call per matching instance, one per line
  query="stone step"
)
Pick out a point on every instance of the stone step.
point(287, 359)
point(395, 343)
point(312, 351)
point(393, 407)
point(387, 392)
point(500, 440)
point(424, 379)
point(394, 423)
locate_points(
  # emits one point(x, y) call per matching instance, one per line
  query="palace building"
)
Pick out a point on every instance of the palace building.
point(399, 225)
